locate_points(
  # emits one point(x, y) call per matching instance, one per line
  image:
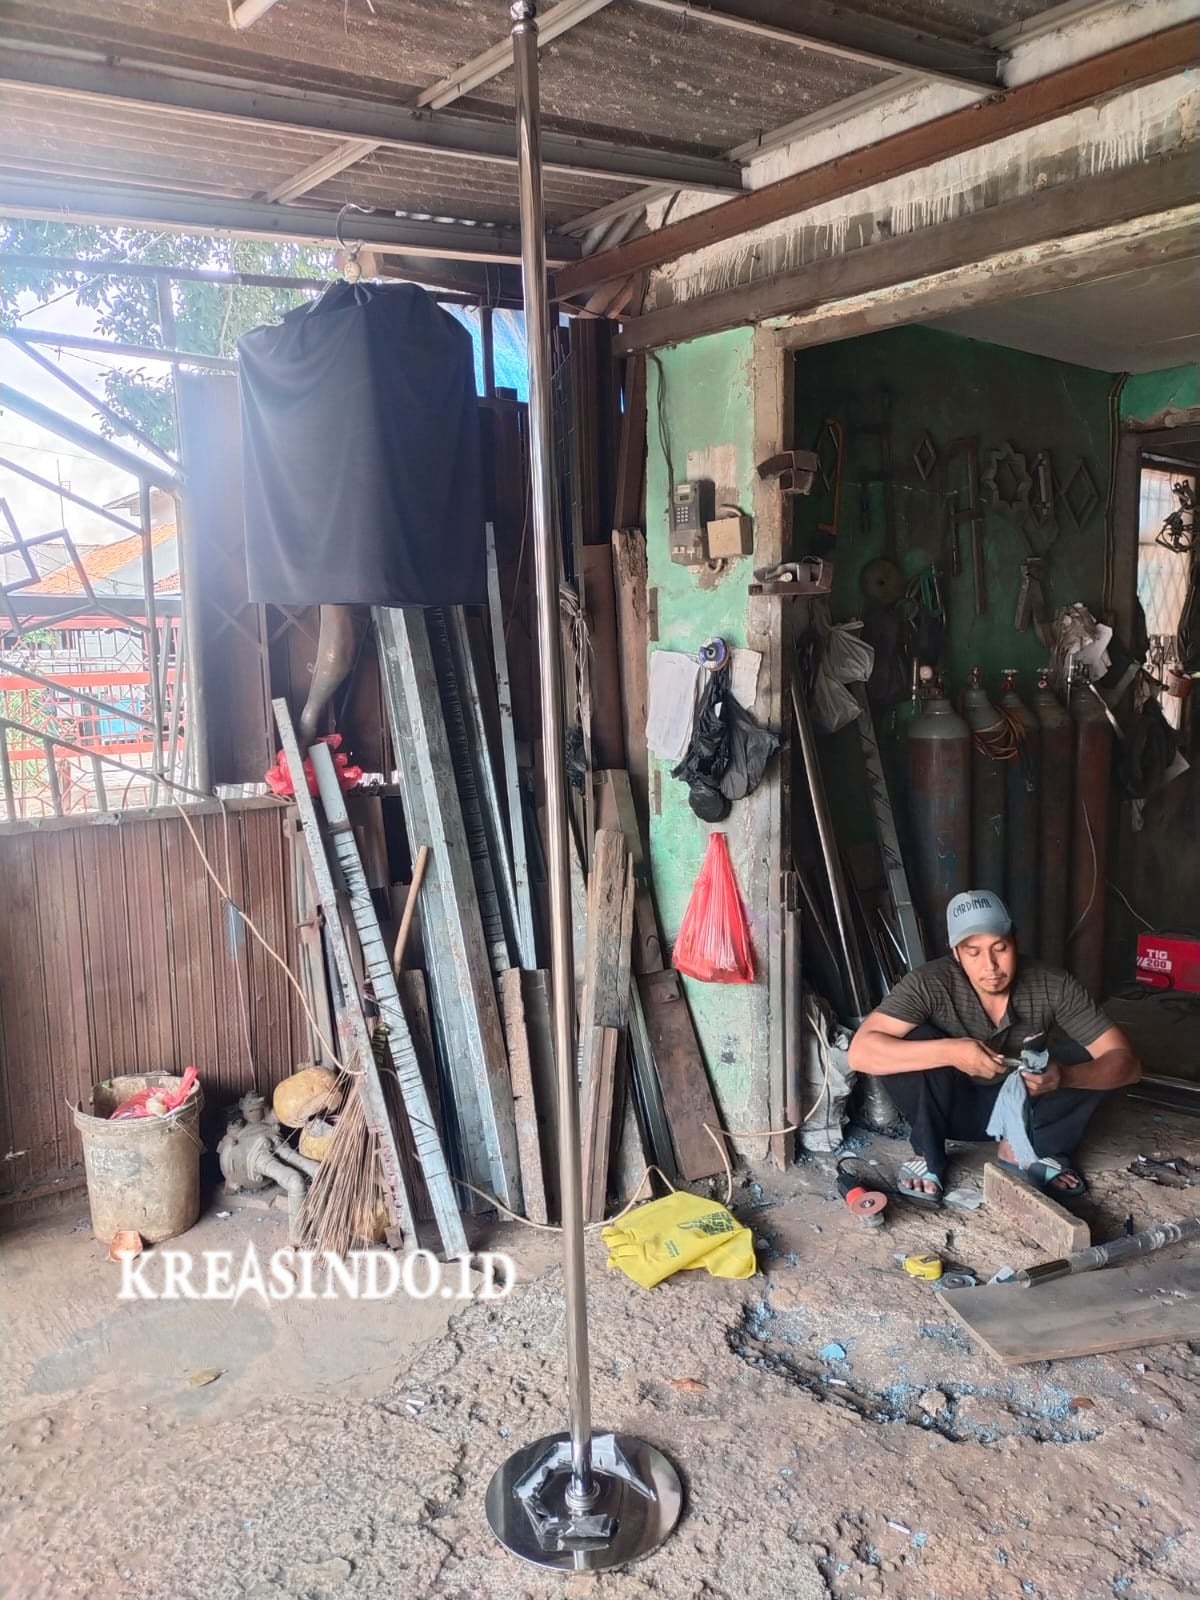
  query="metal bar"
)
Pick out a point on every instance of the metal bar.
point(98, 782)
point(6, 782)
point(491, 63)
point(1074, 88)
point(872, 42)
point(378, 964)
point(317, 172)
point(76, 694)
point(83, 750)
point(487, 338)
point(148, 269)
point(484, 772)
point(459, 966)
point(156, 705)
point(75, 499)
point(526, 942)
point(547, 561)
point(34, 411)
point(856, 983)
point(88, 74)
point(182, 211)
point(885, 828)
point(481, 841)
point(395, 1190)
point(119, 423)
point(52, 777)
point(138, 352)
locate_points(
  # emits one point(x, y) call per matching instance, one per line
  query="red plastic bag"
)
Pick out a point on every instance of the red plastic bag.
point(156, 1101)
point(714, 940)
point(279, 780)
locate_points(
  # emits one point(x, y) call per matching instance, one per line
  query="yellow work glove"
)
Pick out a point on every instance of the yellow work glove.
point(681, 1230)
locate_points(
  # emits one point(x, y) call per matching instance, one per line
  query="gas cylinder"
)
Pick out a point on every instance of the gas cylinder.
point(939, 809)
point(1058, 765)
point(1022, 822)
point(989, 738)
point(1089, 823)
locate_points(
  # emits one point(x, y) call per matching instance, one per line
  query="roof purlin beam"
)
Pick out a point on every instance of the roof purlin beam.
point(1145, 60)
point(833, 31)
point(489, 64)
point(86, 74)
point(176, 210)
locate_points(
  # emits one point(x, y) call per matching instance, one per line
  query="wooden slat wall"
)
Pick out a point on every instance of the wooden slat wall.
point(117, 954)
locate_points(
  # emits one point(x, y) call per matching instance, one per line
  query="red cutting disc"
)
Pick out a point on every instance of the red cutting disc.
point(866, 1202)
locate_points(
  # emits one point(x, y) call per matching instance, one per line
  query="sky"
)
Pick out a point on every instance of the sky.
point(30, 445)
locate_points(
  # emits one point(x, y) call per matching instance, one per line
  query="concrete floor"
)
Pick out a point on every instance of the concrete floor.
point(343, 1451)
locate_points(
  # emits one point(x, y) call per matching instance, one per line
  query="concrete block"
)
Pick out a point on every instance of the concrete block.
point(1058, 1231)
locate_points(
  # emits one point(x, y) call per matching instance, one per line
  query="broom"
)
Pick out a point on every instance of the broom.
point(344, 1200)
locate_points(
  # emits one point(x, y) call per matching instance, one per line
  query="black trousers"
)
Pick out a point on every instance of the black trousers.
point(944, 1103)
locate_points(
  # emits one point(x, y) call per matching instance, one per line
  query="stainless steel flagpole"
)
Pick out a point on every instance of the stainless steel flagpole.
point(574, 1500)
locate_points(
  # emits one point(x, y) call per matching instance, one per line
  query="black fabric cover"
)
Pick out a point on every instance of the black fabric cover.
point(360, 429)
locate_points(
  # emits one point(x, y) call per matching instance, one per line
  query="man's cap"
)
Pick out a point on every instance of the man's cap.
point(976, 911)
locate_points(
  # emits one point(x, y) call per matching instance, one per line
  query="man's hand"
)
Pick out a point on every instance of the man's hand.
point(975, 1059)
point(1044, 1082)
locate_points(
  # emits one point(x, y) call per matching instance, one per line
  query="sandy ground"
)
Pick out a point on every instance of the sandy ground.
point(344, 1451)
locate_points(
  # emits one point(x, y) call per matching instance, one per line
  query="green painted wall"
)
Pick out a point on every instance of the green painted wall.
point(954, 387)
point(1147, 394)
point(708, 426)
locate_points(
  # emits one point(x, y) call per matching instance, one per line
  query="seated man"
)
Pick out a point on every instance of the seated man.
point(948, 1033)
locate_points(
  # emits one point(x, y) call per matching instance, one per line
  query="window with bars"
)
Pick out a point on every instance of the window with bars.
point(1162, 575)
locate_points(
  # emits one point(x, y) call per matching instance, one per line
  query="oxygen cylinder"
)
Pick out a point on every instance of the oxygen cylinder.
point(989, 735)
point(1022, 823)
point(1058, 765)
point(939, 807)
point(1089, 821)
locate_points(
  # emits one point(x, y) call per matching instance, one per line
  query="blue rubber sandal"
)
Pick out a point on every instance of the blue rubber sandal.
point(1042, 1173)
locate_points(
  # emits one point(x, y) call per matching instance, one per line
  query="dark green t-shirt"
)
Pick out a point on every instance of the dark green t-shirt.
point(1043, 1001)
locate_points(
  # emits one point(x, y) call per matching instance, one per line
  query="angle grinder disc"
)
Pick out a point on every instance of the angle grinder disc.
point(882, 580)
point(867, 1202)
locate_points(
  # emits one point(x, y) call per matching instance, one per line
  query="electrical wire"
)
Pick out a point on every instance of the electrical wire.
point(1086, 912)
point(1112, 889)
point(223, 889)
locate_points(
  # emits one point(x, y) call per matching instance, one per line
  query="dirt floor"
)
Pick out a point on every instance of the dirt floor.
point(838, 1433)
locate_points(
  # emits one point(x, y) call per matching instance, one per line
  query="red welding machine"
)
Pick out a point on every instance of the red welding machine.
point(1169, 961)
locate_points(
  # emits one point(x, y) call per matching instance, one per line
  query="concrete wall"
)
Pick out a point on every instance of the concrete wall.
point(1148, 395)
point(707, 392)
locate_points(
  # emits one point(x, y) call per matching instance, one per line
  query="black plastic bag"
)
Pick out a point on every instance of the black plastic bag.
point(728, 753)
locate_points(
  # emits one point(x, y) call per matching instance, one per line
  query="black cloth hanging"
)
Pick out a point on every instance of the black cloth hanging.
point(360, 438)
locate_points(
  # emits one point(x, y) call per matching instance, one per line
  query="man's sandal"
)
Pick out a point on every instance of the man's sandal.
point(918, 1170)
point(873, 1178)
point(1042, 1173)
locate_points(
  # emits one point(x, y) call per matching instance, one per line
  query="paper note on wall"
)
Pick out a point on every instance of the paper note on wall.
point(671, 703)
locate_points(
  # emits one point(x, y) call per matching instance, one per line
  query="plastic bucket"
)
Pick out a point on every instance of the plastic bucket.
point(143, 1173)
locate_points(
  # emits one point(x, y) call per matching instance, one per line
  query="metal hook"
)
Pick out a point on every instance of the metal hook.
point(352, 272)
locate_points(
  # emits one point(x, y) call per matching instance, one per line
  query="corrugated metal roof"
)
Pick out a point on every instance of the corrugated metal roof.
point(627, 73)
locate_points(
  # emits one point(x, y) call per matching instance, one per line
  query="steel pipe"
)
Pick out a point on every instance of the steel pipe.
point(546, 567)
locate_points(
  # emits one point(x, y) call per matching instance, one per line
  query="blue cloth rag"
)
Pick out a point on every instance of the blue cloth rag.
point(1008, 1119)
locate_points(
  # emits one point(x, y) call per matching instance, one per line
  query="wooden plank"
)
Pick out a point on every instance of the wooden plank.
point(1115, 1308)
point(630, 592)
point(1077, 206)
point(600, 1069)
point(628, 510)
point(1035, 1215)
point(686, 1092)
point(615, 809)
point(604, 671)
point(605, 1004)
point(24, 1037)
point(520, 1067)
point(539, 1030)
point(1073, 88)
